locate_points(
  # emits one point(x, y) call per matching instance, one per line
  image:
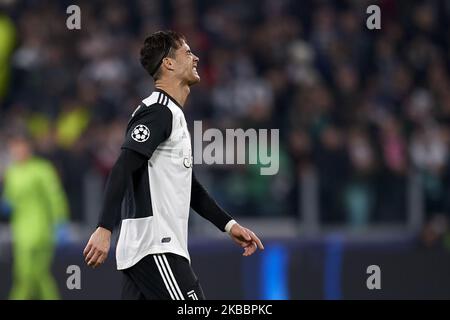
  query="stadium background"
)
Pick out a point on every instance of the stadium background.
point(364, 137)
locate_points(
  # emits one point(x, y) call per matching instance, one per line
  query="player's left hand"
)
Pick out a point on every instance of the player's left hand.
point(246, 238)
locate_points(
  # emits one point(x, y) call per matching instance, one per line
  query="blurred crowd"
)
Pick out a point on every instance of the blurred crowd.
point(362, 109)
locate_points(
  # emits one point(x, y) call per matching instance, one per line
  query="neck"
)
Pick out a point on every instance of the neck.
point(175, 89)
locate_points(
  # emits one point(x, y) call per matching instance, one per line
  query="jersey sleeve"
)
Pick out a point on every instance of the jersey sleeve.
point(205, 206)
point(147, 129)
point(127, 163)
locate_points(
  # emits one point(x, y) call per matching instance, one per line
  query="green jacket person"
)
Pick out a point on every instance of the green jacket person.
point(33, 190)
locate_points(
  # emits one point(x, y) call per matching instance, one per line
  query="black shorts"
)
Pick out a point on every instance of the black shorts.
point(161, 277)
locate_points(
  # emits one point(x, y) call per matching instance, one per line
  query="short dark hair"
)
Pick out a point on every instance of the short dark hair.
point(156, 47)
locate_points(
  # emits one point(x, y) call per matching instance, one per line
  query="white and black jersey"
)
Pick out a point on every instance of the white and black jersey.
point(159, 194)
point(154, 177)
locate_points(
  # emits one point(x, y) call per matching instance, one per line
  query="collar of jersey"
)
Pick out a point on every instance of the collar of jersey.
point(170, 97)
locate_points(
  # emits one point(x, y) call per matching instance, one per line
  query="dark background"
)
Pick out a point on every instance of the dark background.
point(364, 137)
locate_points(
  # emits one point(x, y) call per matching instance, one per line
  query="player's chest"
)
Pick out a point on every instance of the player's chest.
point(180, 136)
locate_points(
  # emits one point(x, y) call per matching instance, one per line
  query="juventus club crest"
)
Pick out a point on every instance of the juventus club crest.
point(140, 133)
point(187, 162)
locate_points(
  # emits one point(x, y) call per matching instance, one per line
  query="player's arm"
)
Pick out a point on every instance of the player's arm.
point(128, 162)
point(136, 150)
point(206, 207)
point(96, 250)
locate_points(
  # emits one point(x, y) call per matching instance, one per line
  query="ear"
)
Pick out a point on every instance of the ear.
point(168, 63)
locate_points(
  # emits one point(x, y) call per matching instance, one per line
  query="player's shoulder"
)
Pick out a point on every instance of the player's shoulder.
point(153, 110)
point(154, 113)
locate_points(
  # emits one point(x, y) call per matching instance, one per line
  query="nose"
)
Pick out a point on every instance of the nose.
point(196, 59)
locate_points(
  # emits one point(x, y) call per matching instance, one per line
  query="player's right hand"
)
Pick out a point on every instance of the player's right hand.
point(97, 248)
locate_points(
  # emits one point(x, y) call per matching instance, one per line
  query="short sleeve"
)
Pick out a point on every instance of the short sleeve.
point(147, 129)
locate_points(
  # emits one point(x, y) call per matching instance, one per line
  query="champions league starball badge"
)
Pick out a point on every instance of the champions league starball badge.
point(140, 133)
